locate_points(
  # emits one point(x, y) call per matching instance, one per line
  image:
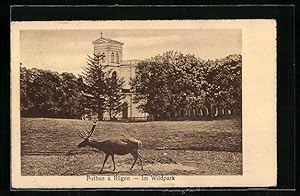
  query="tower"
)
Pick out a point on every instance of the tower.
point(111, 49)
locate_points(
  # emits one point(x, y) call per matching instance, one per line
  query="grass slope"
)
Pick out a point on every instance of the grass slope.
point(170, 148)
point(54, 136)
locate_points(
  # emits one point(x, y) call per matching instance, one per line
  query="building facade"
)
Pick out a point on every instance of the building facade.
point(113, 57)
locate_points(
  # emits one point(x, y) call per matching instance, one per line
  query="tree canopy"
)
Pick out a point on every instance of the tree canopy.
point(173, 84)
point(50, 94)
point(46, 93)
point(165, 86)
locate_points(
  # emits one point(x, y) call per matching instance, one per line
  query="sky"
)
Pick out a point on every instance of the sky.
point(67, 50)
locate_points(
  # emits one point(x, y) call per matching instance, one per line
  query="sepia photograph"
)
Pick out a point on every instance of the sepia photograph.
point(142, 103)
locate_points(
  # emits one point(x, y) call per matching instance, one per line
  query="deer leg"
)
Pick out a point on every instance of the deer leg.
point(140, 157)
point(113, 159)
point(105, 159)
point(135, 158)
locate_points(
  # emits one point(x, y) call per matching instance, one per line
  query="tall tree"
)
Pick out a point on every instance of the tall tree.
point(114, 95)
point(223, 85)
point(94, 75)
point(25, 101)
point(71, 100)
point(167, 84)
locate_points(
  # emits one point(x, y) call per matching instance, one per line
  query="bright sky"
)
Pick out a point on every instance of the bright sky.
point(67, 50)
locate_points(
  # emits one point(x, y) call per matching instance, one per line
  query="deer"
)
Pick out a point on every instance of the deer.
point(112, 147)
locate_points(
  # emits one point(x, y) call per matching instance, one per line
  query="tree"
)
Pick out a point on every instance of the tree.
point(165, 84)
point(173, 84)
point(50, 94)
point(71, 100)
point(114, 95)
point(105, 89)
point(222, 87)
point(151, 86)
point(94, 75)
point(25, 101)
point(46, 92)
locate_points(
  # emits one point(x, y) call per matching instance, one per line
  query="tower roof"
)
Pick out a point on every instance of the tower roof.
point(106, 40)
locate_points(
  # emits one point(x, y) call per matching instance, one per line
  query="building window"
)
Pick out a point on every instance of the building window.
point(103, 57)
point(117, 58)
point(112, 57)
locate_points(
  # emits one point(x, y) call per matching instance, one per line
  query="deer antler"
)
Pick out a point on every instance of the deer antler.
point(87, 134)
point(93, 127)
point(82, 135)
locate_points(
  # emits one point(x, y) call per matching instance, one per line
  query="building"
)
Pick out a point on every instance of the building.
point(112, 50)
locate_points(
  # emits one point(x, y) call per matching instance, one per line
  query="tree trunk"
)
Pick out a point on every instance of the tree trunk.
point(217, 111)
point(193, 112)
point(100, 110)
point(110, 117)
point(207, 111)
point(172, 114)
point(201, 112)
point(100, 115)
point(197, 112)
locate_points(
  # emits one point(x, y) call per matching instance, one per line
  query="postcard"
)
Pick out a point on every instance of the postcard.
point(143, 104)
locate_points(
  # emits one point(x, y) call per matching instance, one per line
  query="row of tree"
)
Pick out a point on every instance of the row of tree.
point(49, 94)
point(178, 85)
point(165, 86)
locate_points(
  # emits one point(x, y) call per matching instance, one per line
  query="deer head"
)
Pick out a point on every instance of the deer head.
point(86, 135)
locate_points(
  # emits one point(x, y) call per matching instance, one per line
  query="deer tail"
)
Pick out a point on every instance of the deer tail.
point(135, 141)
point(139, 144)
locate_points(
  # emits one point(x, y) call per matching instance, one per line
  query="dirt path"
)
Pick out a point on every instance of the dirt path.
point(168, 162)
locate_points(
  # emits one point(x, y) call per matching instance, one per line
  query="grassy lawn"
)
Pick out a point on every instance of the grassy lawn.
point(181, 147)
